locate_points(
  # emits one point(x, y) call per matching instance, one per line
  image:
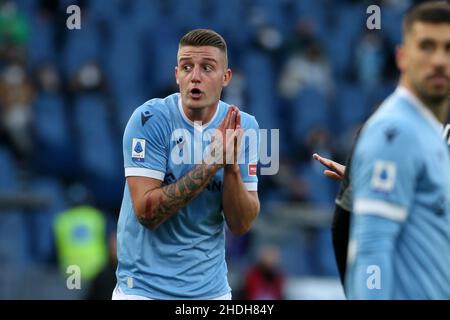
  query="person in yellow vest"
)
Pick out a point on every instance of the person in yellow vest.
point(80, 239)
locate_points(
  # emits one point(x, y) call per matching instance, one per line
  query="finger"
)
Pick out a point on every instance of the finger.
point(324, 161)
point(333, 175)
point(336, 167)
point(239, 136)
point(233, 120)
point(238, 119)
point(225, 121)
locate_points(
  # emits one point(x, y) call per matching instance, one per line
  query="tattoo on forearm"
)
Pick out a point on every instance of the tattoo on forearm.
point(176, 195)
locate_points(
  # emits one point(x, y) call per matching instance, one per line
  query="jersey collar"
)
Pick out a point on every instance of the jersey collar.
point(426, 113)
point(196, 124)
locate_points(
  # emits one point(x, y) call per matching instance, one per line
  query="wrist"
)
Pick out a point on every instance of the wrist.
point(232, 168)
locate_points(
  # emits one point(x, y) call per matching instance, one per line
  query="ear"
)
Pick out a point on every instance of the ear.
point(227, 77)
point(400, 57)
point(176, 76)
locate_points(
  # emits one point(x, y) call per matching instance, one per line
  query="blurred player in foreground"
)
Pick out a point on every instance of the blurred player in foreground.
point(179, 191)
point(399, 188)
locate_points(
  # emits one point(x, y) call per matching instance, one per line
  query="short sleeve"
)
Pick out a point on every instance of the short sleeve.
point(384, 171)
point(144, 144)
point(250, 157)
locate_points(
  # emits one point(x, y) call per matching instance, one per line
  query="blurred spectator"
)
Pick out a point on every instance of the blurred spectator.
point(16, 96)
point(306, 68)
point(268, 38)
point(13, 26)
point(370, 59)
point(303, 36)
point(89, 78)
point(48, 79)
point(81, 240)
point(265, 281)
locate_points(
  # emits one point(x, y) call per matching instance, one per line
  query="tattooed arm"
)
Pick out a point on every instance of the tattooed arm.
point(153, 203)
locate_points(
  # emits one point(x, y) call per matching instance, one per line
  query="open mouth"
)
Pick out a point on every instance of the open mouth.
point(195, 93)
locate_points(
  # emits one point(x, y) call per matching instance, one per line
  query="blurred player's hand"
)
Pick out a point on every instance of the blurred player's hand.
point(335, 170)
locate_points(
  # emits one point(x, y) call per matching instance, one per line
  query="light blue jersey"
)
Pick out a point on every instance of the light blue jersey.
point(184, 258)
point(400, 231)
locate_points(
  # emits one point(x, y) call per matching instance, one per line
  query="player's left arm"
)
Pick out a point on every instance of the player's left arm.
point(239, 205)
point(240, 199)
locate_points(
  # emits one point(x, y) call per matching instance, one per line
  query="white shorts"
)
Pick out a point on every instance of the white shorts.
point(118, 294)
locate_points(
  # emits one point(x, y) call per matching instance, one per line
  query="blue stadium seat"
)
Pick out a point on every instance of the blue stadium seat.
point(13, 238)
point(41, 219)
point(160, 66)
point(320, 190)
point(260, 81)
point(310, 110)
point(82, 46)
point(8, 176)
point(26, 6)
point(104, 12)
point(271, 12)
point(340, 41)
point(41, 44)
point(188, 14)
point(13, 248)
point(55, 151)
point(126, 104)
point(351, 107)
point(228, 17)
point(123, 63)
point(99, 149)
point(392, 25)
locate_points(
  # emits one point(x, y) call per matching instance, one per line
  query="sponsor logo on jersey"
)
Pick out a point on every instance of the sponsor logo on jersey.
point(252, 169)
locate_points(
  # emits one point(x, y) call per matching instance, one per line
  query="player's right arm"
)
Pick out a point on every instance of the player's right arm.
point(154, 203)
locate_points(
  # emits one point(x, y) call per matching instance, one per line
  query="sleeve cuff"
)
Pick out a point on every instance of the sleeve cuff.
point(144, 172)
point(251, 186)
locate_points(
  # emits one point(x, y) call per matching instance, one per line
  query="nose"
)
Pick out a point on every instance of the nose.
point(441, 59)
point(196, 74)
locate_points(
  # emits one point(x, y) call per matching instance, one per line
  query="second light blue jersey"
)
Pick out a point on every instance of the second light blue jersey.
point(400, 232)
point(184, 258)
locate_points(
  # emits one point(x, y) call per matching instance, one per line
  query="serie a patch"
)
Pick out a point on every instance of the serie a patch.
point(384, 175)
point(138, 149)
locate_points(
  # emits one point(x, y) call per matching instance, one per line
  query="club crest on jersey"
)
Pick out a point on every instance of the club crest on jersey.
point(252, 169)
point(138, 149)
point(384, 175)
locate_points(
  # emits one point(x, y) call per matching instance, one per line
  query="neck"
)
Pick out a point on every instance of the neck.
point(439, 108)
point(203, 115)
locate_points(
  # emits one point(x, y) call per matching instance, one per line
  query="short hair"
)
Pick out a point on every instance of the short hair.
point(204, 37)
point(430, 12)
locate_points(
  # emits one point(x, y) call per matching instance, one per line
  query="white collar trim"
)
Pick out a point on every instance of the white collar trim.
point(196, 124)
point(426, 113)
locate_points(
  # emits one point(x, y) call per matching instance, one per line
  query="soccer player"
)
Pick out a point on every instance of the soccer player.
point(400, 245)
point(171, 240)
